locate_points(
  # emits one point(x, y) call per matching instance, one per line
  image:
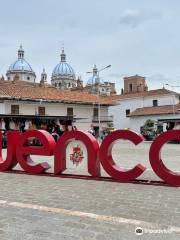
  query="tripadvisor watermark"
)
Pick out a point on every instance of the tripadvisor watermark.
point(140, 231)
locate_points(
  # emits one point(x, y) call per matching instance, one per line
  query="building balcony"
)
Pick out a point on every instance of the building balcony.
point(103, 119)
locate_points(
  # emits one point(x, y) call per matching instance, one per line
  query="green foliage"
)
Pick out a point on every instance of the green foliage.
point(149, 129)
point(110, 125)
point(149, 123)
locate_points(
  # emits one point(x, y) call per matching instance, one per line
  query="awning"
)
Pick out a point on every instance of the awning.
point(61, 118)
point(169, 120)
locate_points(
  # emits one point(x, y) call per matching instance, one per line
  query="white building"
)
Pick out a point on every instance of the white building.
point(23, 99)
point(136, 105)
point(20, 100)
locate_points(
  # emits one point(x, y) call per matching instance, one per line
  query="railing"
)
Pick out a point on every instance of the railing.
point(103, 119)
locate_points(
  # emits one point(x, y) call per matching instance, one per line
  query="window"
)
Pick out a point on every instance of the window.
point(28, 78)
point(95, 112)
point(41, 111)
point(155, 103)
point(70, 112)
point(130, 87)
point(127, 112)
point(15, 109)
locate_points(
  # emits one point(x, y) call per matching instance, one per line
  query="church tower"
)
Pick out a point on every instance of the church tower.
point(135, 84)
point(43, 77)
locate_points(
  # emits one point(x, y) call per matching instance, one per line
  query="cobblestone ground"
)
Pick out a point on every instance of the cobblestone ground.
point(42, 207)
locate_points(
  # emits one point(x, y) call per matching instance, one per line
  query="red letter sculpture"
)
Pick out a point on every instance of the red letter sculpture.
point(155, 157)
point(92, 151)
point(24, 151)
point(107, 161)
point(11, 161)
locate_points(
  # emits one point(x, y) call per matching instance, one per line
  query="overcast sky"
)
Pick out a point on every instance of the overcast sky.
point(134, 36)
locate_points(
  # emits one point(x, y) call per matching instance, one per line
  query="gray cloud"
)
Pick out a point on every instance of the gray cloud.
point(116, 75)
point(161, 80)
point(94, 32)
point(158, 78)
point(135, 17)
point(4, 44)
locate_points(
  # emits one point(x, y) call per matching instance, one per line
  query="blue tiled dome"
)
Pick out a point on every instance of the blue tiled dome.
point(93, 80)
point(20, 65)
point(63, 69)
point(95, 77)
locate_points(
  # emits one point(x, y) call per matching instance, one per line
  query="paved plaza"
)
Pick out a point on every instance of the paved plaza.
point(44, 207)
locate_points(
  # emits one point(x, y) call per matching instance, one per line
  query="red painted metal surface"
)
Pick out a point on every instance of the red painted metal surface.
point(91, 144)
point(23, 151)
point(156, 162)
point(105, 155)
point(10, 161)
point(18, 151)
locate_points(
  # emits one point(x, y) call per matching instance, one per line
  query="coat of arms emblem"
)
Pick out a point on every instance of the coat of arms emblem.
point(77, 156)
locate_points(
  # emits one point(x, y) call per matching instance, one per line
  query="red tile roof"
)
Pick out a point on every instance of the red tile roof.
point(169, 109)
point(33, 91)
point(151, 93)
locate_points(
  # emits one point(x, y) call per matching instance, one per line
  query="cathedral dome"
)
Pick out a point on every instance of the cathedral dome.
point(63, 75)
point(21, 64)
point(95, 77)
point(63, 69)
point(21, 68)
point(93, 80)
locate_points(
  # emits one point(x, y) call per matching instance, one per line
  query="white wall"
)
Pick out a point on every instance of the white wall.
point(119, 111)
point(84, 112)
point(23, 76)
point(162, 100)
point(137, 122)
point(2, 108)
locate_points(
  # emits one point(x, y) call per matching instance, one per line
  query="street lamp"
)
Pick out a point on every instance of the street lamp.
point(99, 107)
point(108, 66)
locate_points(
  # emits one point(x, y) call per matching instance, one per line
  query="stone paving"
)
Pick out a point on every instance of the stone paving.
point(42, 207)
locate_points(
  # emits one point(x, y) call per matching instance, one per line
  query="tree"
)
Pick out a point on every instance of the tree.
point(149, 123)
